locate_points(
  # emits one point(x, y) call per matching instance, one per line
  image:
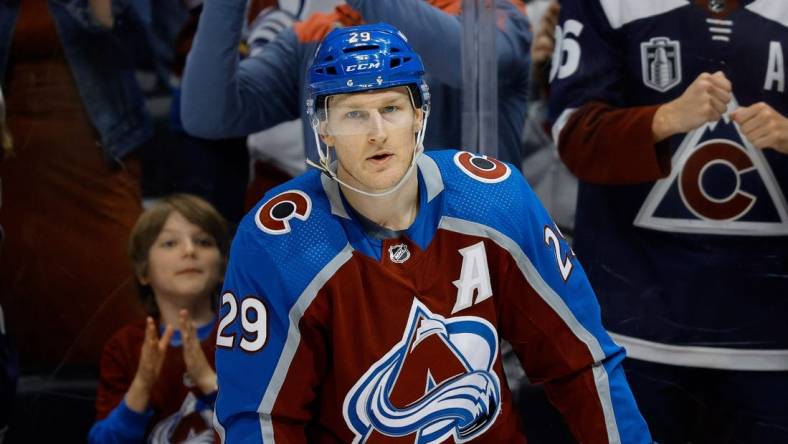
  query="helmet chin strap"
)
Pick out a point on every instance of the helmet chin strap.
point(325, 162)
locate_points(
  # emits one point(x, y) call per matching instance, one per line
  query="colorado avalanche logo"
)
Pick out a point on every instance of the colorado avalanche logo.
point(482, 168)
point(463, 405)
point(274, 216)
point(719, 184)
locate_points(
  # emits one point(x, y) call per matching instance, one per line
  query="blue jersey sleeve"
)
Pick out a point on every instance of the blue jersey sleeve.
point(244, 366)
point(578, 362)
point(271, 337)
point(121, 426)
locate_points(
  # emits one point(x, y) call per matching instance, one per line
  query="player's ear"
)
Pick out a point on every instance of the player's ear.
point(419, 120)
point(322, 129)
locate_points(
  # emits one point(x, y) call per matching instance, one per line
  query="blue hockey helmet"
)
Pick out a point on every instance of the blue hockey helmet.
point(362, 58)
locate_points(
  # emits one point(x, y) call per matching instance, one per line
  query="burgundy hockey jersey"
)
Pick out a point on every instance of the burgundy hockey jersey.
point(329, 335)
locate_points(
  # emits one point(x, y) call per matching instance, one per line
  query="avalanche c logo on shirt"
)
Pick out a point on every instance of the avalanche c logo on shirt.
point(437, 382)
point(274, 216)
point(482, 168)
point(719, 184)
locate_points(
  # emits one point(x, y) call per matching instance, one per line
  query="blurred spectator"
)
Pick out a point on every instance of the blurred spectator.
point(70, 196)
point(673, 117)
point(223, 98)
point(174, 161)
point(71, 189)
point(277, 153)
point(542, 167)
point(157, 376)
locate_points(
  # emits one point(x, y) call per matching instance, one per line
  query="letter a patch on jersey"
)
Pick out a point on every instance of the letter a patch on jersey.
point(719, 184)
point(474, 278)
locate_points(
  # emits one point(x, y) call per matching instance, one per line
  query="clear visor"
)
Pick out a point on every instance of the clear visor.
point(369, 114)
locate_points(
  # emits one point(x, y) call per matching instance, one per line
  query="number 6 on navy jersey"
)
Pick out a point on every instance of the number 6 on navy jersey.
point(254, 323)
point(562, 66)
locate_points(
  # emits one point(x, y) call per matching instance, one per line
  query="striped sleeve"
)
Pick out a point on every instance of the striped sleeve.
point(553, 321)
point(268, 341)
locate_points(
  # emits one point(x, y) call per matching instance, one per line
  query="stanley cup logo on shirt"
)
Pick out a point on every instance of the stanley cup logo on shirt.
point(660, 59)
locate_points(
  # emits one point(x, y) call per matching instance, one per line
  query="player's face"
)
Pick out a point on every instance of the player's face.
point(374, 134)
point(184, 263)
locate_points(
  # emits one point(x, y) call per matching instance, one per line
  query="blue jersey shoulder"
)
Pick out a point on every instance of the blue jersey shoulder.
point(286, 240)
point(489, 192)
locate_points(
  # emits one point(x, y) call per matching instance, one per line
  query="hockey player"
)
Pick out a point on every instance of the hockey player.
point(672, 114)
point(365, 301)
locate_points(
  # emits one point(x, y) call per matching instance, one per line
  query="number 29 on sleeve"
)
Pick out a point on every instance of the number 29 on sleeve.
point(254, 323)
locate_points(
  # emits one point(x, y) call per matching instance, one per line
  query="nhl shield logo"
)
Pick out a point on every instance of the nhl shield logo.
point(716, 6)
point(399, 253)
point(660, 59)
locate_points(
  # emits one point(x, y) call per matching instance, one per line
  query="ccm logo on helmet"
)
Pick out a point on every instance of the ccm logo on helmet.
point(362, 66)
point(274, 216)
point(482, 168)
